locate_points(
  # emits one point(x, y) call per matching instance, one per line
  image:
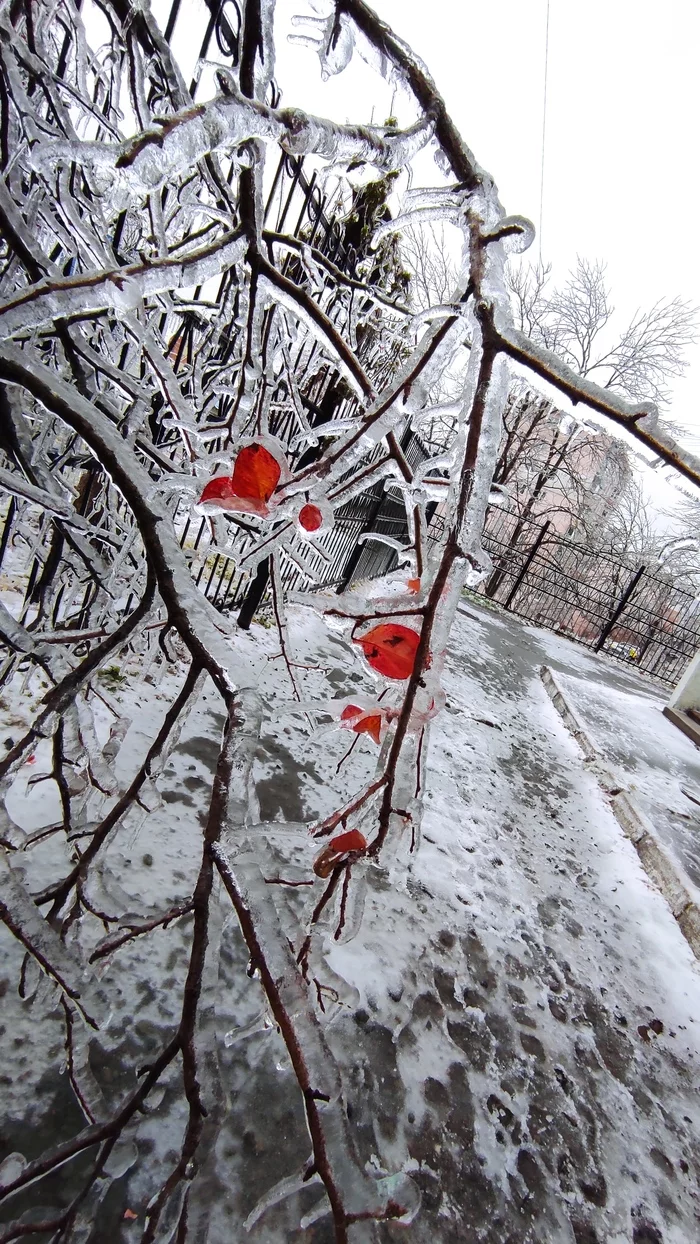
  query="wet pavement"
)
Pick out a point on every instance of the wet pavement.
point(518, 1017)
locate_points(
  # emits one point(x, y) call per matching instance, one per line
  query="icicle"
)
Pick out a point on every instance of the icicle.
point(286, 1187)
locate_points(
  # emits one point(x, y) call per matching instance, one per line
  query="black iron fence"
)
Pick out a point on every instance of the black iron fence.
point(299, 207)
point(634, 613)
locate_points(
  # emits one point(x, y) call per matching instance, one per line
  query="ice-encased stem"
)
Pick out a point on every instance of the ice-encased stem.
point(349, 1190)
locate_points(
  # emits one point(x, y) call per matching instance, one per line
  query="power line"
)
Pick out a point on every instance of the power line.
point(544, 124)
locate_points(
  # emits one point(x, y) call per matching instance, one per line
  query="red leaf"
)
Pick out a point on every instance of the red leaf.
point(255, 476)
point(218, 489)
point(369, 725)
point(255, 473)
point(334, 853)
point(310, 517)
point(351, 711)
point(390, 649)
point(413, 585)
point(352, 840)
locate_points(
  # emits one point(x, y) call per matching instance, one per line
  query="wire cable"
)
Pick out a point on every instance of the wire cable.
point(544, 125)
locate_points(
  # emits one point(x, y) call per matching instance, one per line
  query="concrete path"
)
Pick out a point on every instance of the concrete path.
point(517, 1014)
point(621, 712)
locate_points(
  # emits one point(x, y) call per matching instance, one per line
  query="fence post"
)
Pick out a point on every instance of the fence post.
point(619, 607)
point(528, 561)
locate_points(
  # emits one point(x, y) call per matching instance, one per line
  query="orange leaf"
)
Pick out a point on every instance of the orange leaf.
point(390, 649)
point(218, 489)
point(351, 711)
point(413, 585)
point(369, 725)
point(255, 473)
point(352, 840)
point(310, 517)
point(334, 853)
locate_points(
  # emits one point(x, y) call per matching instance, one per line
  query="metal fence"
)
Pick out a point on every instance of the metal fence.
point(632, 612)
point(297, 206)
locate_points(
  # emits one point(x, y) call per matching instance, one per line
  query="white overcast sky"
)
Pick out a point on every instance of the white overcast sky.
point(621, 178)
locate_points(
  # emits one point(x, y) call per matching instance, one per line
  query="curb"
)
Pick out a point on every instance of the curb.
point(655, 860)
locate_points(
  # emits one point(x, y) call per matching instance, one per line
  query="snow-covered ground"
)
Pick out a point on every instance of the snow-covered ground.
point(661, 766)
point(517, 1020)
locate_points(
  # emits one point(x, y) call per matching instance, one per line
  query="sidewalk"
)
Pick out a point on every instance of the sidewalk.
point(661, 767)
point(622, 713)
point(517, 1015)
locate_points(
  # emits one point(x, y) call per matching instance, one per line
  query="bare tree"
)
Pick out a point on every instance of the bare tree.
point(575, 320)
point(552, 464)
point(548, 464)
point(162, 348)
point(426, 253)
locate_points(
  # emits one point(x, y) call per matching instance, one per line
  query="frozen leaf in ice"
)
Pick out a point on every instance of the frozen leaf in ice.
point(351, 712)
point(256, 473)
point(310, 517)
point(218, 490)
point(351, 842)
point(371, 726)
point(413, 585)
point(361, 722)
point(390, 649)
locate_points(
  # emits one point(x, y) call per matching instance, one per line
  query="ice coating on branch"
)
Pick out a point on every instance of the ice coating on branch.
point(289, 1186)
point(424, 206)
point(406, 555)
point(11, 1168)
point(202, 621)
point(330, 34)
point(286, 298)
point(128, 171)
point(516, 234)
point(500, 494)
point(360, 1194)
point(24, 919)
point(473, 524)
point(119, 290)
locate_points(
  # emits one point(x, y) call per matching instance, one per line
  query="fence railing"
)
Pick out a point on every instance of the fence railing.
point(632, 612)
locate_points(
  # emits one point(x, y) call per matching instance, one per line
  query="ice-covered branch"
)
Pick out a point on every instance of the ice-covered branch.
point(187, 610)
point(167, 150)
point(639, 419)
point(120, 289)
point(21, 916)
